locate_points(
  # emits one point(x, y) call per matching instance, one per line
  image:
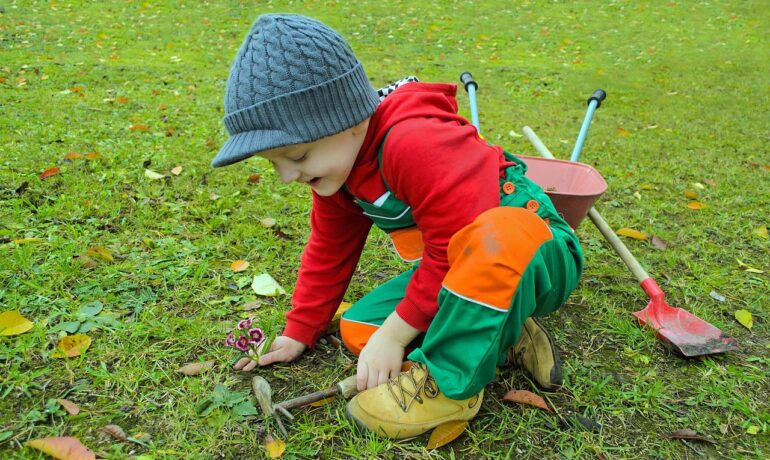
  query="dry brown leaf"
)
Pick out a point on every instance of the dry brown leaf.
point(121, 100)
point(71, 346)
point(72, 156)
point(659, 243)
point(115, 432)
point(91, 156)
point(696, 205)
point(50, 172)
point(239, 265)
point(631, 233)
point(64, 448)
point(526, 397)
point(69, 406)
point(690, 194)
point(139, 127)
point(446, 433)
point(623, 132)
point(690, 435)
point(253, 305)
point(254, 178)
point(196, 368)
point(176, 171)
point(99, 253)
point(275, 447)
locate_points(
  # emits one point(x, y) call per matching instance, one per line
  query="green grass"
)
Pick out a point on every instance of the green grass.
point(687, 83)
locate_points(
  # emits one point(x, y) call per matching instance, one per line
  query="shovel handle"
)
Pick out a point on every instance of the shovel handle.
point(347, 388)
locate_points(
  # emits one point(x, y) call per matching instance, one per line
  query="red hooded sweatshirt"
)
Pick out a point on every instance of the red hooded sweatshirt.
point(435, 162)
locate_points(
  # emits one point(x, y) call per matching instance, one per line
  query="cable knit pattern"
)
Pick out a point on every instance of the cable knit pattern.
point(294, 80)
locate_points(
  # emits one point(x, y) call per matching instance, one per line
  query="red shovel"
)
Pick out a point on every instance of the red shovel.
point(684, 332)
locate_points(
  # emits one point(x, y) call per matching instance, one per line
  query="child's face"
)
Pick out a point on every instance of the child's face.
point(324, 164)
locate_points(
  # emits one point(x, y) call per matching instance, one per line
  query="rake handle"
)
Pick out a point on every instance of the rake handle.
point(347, 388)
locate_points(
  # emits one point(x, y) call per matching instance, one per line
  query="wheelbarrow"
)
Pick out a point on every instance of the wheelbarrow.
point(574, 188)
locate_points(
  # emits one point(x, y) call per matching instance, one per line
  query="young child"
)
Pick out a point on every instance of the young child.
point(492, 251)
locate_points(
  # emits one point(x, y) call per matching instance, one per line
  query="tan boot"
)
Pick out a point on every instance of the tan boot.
point(536, 353)
point(409, 405)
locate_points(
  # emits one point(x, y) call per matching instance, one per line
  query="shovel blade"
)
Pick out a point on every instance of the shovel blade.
point(684, 332)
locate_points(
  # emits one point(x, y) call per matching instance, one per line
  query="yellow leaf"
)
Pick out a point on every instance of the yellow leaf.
point(275, 447)
point(322, 402)
point(12, 323)
point(761, 232)
point(64, 448)
point(334, 325)
point(623, 132)
point(631, 233)
point(69, 406)
point(239, 265)
point(752, 429)
point(71, 346)
point(176, 171)
point(696, 205)
point(690, 194)
point(139, 127)
point(744, 317)
point(446, 433)
point(27, 240)
point(73, 156)
point(99, 253)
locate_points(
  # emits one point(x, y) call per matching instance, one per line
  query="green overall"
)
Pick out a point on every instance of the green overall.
point(473, 329)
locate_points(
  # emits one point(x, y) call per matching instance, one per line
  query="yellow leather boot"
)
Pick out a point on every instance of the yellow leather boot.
point(409, 405)
point(536, 353)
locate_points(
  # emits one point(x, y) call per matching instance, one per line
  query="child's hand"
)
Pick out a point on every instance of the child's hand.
point(379, 361)
point(283, 349)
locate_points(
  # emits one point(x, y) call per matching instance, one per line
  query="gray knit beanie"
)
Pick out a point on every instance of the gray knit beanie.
point(294, 80)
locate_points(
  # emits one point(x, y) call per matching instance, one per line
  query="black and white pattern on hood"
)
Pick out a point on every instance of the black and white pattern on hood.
point(385, 90)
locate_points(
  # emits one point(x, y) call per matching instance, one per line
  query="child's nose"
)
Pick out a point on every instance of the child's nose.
point(287, 173)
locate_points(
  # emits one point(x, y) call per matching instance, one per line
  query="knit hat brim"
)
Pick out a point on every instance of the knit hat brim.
point(249, 143)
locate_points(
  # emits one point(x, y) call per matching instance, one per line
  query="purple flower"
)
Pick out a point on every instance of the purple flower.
point(244, 324)
point(257, 336)
point(230, 340)
point(242, 343)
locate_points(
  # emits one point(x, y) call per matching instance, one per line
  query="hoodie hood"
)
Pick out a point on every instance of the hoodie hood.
point(413, 100)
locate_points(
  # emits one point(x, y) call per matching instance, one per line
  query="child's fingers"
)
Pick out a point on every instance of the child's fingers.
point(362, 375)
point(373, 378)
point(243, 362)
point(250, 366)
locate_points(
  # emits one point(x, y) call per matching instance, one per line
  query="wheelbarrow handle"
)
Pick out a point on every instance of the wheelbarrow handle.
point(471, 86)
point(594, 102)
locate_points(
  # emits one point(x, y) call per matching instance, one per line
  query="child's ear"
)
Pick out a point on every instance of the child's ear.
point(361, 127)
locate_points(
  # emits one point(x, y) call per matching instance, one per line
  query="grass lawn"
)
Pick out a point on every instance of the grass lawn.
point(141, 84)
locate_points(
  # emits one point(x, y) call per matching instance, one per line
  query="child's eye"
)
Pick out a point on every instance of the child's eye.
point(304, 155)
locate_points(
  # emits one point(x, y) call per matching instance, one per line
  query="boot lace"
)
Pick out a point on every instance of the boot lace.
point(424, 385)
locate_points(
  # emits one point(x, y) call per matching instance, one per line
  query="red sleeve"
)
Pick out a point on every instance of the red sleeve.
point(448, 175)
point(338, 231)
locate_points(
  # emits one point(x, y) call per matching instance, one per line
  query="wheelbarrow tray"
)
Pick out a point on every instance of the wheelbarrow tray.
point(573, 187)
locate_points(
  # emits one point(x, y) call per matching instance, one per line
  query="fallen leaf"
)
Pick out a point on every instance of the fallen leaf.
point(265, 285)
point(99, 253)
point(717, 296)
point(253, 305)
point(139, 127)
point(115, 432)
point(196, 368)
point(141, 437)
point(64, 448)
point(696, 205)
point(526, 397)
point(13, 323)
point(267, 222)
point(69, 406)
point(761, 232)
point(690, 194)
point(752, 429)
point(152, 175)
point(49, 172)
point(254, 178)
point(322, 402)
point(631, 233)
point(239, 265)
point(623, 132)
point(446, 433)
point(213, 196)
point(27, 240)
point(121, 100)
point(91, 156)
point(71, 346)
point(747, 267)
point(659, 243)
point(710, 182)
point(275, 447)
point(744, 317)
point(690, 435)
point(72, 156)
point(176, 171)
